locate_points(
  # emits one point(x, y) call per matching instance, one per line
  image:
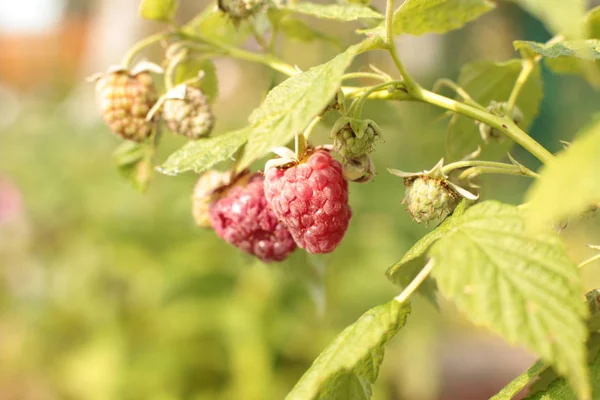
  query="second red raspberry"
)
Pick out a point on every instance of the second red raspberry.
point(243, 218)
point(311, 199)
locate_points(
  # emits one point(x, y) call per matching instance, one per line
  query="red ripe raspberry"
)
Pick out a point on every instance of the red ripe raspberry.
point(311, 199)
point(243, 218)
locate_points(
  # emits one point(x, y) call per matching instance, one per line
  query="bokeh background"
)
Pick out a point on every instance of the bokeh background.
point(107, 293)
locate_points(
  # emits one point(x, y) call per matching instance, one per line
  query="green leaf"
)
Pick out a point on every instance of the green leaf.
point(339, 12)
point(191, 67)
point(560, 388)
point(405, 270)
point(486, 81)
point(577, 66)
point(159, 10)
point(350, 364)
point(559, 16)
point(584, 49)
point(214, 24)
point(200, 155)
point(593, 302)
point(520, 285)
point(539, 377)
point(295, 28)
point(568, 185)
point(417, 17)
point(134, 163)
point(592, 23)
point(290, 106)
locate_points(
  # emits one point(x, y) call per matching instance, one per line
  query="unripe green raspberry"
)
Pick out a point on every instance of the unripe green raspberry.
point(191, 115)
point(350, 145)
point(360, 170)
point(240, 9)
point(208, 189)
point(124, 99)
point(428, 199)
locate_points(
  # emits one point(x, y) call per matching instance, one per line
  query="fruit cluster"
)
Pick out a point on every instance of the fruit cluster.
point(268, 215)
point(129, 104)
point(301, 198)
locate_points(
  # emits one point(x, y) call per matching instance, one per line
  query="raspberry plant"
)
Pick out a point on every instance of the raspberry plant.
point(504, 266)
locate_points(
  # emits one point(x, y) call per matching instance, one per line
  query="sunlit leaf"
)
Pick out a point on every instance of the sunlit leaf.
point(134, 163)
point(560, 389)
point(520, 285)
point(569, 184)
point(214, 24)
point(340, 11)
point(580, 66)
point(346, 369)
point(584, 49)
point(559, 16)
point(486, 81)
point(200, 155)
point(295, 28)
point(405, 270)
point(417, 17)
point(290, 106)
point(159, 10)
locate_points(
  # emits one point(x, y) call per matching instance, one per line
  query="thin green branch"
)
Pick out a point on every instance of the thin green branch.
point(589, 261)
point(477, 167)
point(459, 90)
point(414, 285)
point(475, 171)
point(528, 65)
point(141, 45)
point(353, 92)
point(235, 52)
point(519, 383)
point(363, 75)
point(357, 106)
point(504, 125)
point(315, 121)
point(389, 23)
point(474, 163)
point(526, 70)
point(389, 41)
point(260, 39)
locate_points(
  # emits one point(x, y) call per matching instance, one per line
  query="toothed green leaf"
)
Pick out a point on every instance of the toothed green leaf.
point(521, 285)
point(346, 369)
point(570, 181)
point(200, 155)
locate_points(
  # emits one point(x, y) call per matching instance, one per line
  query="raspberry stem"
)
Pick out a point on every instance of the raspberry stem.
point(311, 126)
point(528, 65)
point(527, 68)
point(416, 282)
point(389, 41)
point(589, 261)
point(366, 75)
point(459, 91)
point(474, 171)
point(506, 126)
point(483, 167)
point(141, 45)
point(519, 383)
point(357, 106)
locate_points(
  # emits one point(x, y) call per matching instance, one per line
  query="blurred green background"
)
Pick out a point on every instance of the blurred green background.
point(106, 293)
